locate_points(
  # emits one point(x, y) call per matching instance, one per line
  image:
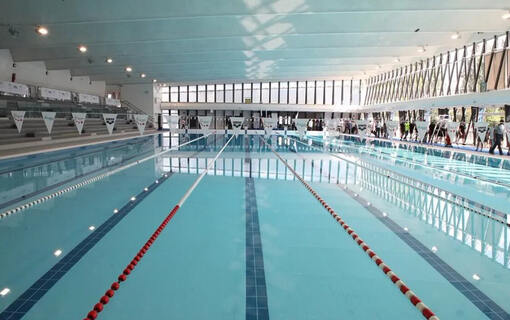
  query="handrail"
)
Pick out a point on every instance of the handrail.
point(131, 106)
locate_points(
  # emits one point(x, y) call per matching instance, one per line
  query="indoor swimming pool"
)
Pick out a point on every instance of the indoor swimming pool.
point(264, 234)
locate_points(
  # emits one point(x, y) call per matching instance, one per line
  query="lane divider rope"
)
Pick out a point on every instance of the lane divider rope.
point(88, 181)
point(413, 298)
point(98, 307)
point(460, 201)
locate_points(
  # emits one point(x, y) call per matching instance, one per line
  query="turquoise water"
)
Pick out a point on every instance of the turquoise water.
point(307, 266)
point(479, 182)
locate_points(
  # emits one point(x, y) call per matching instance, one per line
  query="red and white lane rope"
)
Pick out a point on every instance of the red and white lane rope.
point(89, 181)
point(98, 307)
point(413, 298)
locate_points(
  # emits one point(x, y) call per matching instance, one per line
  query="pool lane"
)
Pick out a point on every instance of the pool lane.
point(18, 184)
point(61, 223)
point(486, 193)
point(313, 268)
point(456, 249)
point(194, 271)
point(420, 276)
point(28, 239)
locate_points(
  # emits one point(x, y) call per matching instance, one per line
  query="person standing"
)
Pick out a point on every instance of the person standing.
point(407, 128)
point(499, 131)
point(377, 129)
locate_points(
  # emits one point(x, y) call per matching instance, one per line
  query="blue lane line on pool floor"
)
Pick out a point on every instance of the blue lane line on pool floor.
point(20, 306)
point(490, 308)
point(256, 291)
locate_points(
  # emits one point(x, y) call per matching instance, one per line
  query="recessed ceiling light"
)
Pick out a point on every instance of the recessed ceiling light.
point(43, 31)
point(506, 16)
point(129, 69)
point(115, 210)
point(154, 80)
point(133, 198)
point(476, 277)
point(109, 60)
point(455, 36)
point(92, 228)
point(4, 292)
point(406, 229)
point(82, 49)
point(57, 252)
point(143, 75)
point(434, 249)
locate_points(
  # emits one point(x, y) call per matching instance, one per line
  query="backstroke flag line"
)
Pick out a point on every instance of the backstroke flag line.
point(141, 122)
point(109, 119)
point(49, 118)
point(79, 120)
point(18, 117)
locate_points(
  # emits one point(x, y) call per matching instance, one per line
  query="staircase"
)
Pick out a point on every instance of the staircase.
point(130, 106)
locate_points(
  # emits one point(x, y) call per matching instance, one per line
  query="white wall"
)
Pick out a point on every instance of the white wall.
point(141, 95)
point(34, 73)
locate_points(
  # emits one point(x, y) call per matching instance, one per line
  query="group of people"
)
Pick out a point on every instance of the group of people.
point(438, 132)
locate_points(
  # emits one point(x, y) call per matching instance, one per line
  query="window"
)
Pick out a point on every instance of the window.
point(265, 93)
point(247, 92)
point(192, 94)
point(165, 96)
point(210, 93)
point(183, 94)
point(238, 93)
point(283, 92)
point(174, 94)
point(256, 93)
point(319, 92)
point(292, 92)
point(311, 93)
point(274, 92)
point(201, 94)
point(228, 93)
point(219, 93)
point(301, 92)
point(329, 92)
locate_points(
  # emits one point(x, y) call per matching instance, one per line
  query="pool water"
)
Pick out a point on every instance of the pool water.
point(251, 242)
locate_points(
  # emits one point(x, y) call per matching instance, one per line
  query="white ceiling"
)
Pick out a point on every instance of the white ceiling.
point(229, 40)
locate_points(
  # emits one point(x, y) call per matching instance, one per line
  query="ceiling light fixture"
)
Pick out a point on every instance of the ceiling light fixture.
point(154, 80)
point(422, 49)
point(43, 31)
point(109, 60)
point(5, 291)
point(82, 49)
point(476, 277)
point(506, 16)
point(396, 60)
point(129, 69)
point(57, 252)
point(455, 36)
point(143, 75)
